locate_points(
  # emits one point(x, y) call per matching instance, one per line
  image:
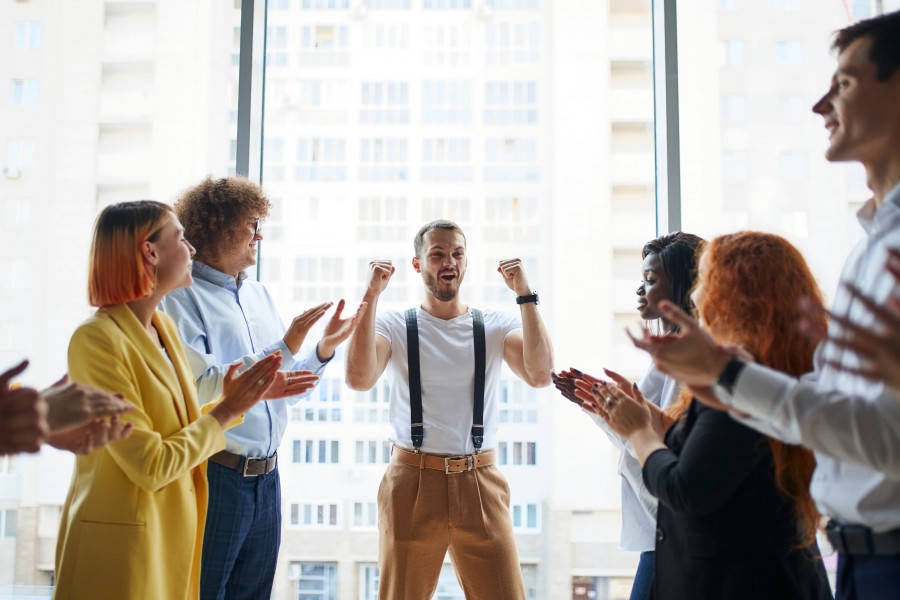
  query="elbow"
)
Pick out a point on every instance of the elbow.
point(358, 383)
point(538, 380)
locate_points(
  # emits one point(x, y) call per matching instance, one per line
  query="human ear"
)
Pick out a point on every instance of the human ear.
point(415, 264)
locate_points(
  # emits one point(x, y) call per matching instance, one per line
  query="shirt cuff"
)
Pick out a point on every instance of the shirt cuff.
point(756, 391)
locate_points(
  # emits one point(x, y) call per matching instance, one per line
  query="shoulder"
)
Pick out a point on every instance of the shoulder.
point(502, 321)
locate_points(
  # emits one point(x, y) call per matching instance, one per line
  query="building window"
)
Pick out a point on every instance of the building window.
point(518, 403)
point(510, 159)
point(789, 54)
point(447, 4)
point(517, 453)
point(734, 109)
point(453, 208)
point(365, 515)
point(314, 516)
point(441, 158)
point(20, 154)
point(383, 159)
point(512, 219)
point(734, 53)
point(792, 109)
point(321, 159)
point(384, 102)
point(316, 452)
point(314, 581)
point(448, 45)
point(27, 35)
point(382, 218)
point(446, 102)
point(325, 4)
point(525, 517)
point(386, 35)
point(510, 103)
point(512, 43)
point(368, 581)
point(276, 46)
point(317, 277)
point(322, 405)
point(24, 92)
point(7, 523)
point(369, 452)
point(387, 4)
point(372, 407)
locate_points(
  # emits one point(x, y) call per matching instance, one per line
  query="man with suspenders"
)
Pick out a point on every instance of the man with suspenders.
point(442, 491)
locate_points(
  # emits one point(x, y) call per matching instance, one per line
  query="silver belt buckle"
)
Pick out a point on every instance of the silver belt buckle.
point(469, 464)
point(247, 466)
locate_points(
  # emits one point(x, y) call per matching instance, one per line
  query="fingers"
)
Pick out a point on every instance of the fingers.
point(61, 381)
point(232, 370)
point(7, 375)
point(338, 310)
point(677, 316)
point(893, 263)
point(870, 373)
point(884, 315)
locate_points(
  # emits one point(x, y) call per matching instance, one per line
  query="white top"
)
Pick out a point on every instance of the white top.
point(638, 504)
point(447, 366)
point(852, 424)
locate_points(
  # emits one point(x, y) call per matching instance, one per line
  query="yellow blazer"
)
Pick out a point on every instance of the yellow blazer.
point(132, 526)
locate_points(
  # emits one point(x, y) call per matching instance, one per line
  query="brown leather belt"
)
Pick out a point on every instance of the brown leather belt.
point(450, 465)
point(248, 467)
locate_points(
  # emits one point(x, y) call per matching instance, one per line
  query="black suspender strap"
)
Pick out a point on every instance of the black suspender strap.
point(480, 360)
point(415, 379)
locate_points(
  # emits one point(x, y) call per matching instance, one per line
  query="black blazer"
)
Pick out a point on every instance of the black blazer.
point(723, 529)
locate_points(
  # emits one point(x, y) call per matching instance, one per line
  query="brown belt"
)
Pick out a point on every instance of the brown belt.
point(448, 464)
point(248, 467)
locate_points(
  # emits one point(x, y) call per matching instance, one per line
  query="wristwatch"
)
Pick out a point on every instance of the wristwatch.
point(533, 297)
point(728, 377)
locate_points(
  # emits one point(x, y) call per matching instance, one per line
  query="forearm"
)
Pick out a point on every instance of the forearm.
point(537, 348)
point(644, 442)
point(362, 357)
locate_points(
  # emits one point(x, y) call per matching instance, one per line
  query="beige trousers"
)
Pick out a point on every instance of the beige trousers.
point(423, 513)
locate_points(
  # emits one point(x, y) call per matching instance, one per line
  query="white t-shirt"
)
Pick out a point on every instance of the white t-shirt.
point(447, 366)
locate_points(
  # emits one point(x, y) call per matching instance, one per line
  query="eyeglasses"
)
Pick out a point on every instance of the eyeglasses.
point(255, 227)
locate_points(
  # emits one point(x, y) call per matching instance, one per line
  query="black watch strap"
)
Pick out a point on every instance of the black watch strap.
point(728, 377)
point(533, 297)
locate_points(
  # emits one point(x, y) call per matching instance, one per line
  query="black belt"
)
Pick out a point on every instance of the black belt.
point(248, 467)
point(859, 539)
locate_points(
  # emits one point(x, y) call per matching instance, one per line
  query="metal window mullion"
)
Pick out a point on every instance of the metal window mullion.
point(667, 139)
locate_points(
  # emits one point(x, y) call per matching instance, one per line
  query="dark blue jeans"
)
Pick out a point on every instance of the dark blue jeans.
point(243, 533)
point(643, 578)
point(868, 577)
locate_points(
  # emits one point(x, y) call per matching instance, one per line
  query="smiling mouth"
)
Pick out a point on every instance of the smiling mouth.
point(448, 277)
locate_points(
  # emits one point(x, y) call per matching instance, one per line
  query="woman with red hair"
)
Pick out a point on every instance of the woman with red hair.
point(735, 517)
point(132, 524)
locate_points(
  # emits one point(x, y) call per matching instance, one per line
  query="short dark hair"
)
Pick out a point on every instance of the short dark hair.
point(884, 31)
point(678, 254)
point(419, 240)
point(213, 211)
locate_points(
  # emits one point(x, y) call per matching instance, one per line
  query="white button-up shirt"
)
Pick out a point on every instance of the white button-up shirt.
point(851, 423)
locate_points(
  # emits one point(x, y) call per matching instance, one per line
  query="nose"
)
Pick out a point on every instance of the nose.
point(191, 249)
point(640, 290)
point(823, 105)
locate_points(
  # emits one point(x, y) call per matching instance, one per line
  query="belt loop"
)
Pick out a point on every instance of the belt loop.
point(421, 460)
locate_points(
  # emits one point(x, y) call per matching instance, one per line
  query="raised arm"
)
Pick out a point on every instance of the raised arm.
point(367, 353)
point(528, 352)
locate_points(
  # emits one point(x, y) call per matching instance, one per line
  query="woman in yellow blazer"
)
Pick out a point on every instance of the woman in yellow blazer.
point(132, 525)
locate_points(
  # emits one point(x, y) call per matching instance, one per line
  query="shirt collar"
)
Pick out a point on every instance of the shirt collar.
point(874, 220)
point(201, 270)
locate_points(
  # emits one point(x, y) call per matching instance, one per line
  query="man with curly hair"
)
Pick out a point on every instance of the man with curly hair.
point(224, 317)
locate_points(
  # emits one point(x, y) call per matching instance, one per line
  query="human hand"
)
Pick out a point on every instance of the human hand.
point(71, 405)
point(301, 325)
point(691, 356)
point(812, 320)
point(878, 345)
point(514, 276)
point(88, 437)
point(290, 383)
point(380, 272)
point(564, 381)
point(241, 392)
point(625, 414)
point(660, 420)
point(23, 418)
point(337, 330)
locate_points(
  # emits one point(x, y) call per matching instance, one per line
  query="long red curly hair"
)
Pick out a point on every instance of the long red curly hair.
point(749, 287)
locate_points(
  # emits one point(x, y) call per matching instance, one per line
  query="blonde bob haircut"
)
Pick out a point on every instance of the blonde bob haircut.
point(116, 272)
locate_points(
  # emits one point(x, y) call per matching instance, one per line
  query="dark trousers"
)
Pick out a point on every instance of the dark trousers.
point(243, 533)
point(868, 577)
point(643, 578)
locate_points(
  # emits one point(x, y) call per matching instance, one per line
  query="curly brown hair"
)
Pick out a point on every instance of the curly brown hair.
point(213, 211)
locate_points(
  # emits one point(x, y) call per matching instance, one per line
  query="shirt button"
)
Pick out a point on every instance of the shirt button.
point(660, 535)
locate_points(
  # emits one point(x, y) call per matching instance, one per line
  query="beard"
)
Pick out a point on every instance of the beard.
point(445, 294)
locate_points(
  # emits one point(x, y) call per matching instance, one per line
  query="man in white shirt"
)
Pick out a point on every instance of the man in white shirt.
point(442, 490)
point(851, 422)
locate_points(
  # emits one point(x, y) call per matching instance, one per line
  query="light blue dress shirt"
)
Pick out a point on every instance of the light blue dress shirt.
point(223, 320)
